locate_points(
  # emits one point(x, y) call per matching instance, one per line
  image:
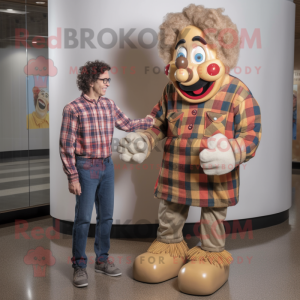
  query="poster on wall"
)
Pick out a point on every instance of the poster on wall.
point(38, 71)
point(296, 121)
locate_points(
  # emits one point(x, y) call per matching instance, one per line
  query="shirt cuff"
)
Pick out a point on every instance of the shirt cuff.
point(73, 178)
point(150, 118)
point(239, 150)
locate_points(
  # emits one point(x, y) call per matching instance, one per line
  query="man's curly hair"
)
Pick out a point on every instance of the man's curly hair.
point(212, 22)
point(89, 73)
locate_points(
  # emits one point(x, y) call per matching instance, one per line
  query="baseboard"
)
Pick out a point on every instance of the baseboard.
point(149, 230)
point(24, 153)
point(296, 165)
point(24, 213)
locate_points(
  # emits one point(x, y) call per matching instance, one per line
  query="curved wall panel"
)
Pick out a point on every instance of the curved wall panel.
point(265, 65)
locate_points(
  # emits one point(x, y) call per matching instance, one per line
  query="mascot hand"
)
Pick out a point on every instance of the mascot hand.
point(218, 159)
point(133, 148)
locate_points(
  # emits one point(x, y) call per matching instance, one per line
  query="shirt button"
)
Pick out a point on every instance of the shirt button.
point(194, 112)
point(190, 127)
point(215, 119)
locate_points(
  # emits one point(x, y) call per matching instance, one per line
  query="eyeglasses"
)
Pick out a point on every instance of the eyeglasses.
point(105, 80)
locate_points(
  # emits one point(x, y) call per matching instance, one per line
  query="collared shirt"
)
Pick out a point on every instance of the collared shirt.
point(233, 112)
point(35, 122)
point(87, 129)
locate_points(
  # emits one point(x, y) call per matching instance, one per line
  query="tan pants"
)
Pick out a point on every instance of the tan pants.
point(172, 216)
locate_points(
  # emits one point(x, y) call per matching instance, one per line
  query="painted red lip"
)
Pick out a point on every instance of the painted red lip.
point(197, 97)
point(42, 104)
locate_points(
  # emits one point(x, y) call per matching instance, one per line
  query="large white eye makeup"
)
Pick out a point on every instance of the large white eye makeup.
point(181, 52)
point(198, 55)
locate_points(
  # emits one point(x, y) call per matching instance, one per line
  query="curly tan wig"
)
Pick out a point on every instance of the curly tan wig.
point(89, 73)
point(220, 32)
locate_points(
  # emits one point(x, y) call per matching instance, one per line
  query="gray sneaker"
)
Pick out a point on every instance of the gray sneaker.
point(80, 277)
point(108, 268)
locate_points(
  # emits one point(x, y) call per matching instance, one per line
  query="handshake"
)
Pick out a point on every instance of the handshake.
point(133, 148)
point(217, 159)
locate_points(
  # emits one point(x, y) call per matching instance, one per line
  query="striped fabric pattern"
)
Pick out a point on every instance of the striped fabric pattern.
point(87, 129)
point(233, 112)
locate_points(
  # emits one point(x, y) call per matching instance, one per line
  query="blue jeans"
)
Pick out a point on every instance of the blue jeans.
point(96, 177)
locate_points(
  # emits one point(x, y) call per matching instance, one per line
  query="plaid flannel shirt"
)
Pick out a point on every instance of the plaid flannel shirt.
point(233, 112)
point(87, 129)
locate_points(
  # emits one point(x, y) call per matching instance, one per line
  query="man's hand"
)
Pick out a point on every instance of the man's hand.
point(133, 148)
point(75, 188)
point(218, 159)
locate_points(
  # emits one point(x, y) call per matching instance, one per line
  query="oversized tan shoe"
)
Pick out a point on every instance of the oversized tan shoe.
point(153, 267)
point(206, 273)
point(201, 279)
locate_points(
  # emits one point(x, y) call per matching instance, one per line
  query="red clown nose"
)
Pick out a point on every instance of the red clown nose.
point(213, 69)
point(167, 69)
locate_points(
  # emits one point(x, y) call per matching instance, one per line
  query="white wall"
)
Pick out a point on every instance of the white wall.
point(265, 181)
point(14, 135)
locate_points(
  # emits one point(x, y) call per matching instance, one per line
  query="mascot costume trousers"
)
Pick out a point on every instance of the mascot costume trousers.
point(212, 124)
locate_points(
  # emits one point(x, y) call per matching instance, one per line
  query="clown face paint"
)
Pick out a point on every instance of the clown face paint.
point(42, 104)
point(195, 70)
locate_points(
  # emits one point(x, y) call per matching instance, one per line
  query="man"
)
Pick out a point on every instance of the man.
point(85, 148)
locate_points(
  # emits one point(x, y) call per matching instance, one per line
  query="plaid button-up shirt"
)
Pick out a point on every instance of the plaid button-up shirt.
point(233, 112)
point(87, 129)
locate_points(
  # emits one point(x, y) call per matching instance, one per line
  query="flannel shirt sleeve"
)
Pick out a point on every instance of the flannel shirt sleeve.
point(247, 123)
point(124, 123)
point(159, 130)
point(67, 142)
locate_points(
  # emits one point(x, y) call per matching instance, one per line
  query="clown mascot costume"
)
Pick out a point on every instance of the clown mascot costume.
point(212, 124)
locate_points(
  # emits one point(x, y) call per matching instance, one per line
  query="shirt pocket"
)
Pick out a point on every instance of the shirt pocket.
point(214, 123)
point(174, 123)
point(106, 112)
point(86, 118)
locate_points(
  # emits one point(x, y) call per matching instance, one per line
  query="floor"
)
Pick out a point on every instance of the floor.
point(24, 182)
point(265, 267)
